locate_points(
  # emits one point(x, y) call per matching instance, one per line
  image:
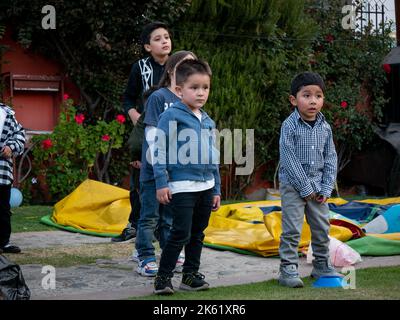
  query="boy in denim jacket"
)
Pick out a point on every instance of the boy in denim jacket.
point(187, 175)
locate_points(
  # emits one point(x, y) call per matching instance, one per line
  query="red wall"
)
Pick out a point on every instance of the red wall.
point(36, 110)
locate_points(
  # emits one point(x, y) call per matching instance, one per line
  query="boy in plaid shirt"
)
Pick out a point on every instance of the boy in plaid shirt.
point(12, 140)
point(307, 176)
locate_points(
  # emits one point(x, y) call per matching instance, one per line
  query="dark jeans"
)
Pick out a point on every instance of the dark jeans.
point(5, 214)
point(190, 212)
point(152, 215)
point(134, 198)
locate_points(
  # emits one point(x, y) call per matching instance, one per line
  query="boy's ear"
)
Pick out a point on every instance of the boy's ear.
point(293, 100)
point(178, 90)
point(147, 47)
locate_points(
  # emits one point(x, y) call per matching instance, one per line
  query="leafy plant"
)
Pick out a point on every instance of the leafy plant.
point(255, 48)
point(350, 61)
point(76, 150)
point(97, 41)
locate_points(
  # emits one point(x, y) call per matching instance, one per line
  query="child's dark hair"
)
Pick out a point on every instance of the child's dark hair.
point(148, 92)
point(190, 67)
point(170, 65)
point(149, 28)
point(306, 79)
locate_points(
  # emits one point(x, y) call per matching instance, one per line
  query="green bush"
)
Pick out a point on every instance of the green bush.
point(256, 48)
point(76, 150)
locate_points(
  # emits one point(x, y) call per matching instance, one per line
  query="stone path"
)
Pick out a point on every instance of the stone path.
point(117, 278)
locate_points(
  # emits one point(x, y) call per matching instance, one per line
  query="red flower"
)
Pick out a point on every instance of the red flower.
point(387, 68)
point(329, 38)
point(105, 137)
point(79, 118)
point(66, 96)
point(46, 144)
point(120, 118)
point(344, 104)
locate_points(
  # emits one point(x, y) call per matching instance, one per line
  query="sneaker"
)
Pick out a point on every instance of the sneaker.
point(147, 267)
point(289, 277)
point(193, 282)
point(9, 248)
point(323, 269)
point(126, 234)
point(179, 263)
point(163, 285)
point(135, 256)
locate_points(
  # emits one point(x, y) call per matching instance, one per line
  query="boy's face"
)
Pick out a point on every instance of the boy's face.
point(195, 90)
point(159, 44)
point(309, 101)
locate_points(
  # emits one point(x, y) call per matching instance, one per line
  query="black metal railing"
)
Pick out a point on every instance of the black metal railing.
point(371, 14)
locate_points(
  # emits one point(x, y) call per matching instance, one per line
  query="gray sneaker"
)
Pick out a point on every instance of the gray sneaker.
point(323, 269)
point(289, 277)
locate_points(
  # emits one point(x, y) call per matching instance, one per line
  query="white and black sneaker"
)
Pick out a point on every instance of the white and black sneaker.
point(9, 248)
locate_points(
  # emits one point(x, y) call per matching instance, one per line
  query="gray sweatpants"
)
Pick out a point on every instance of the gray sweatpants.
point(317, 216)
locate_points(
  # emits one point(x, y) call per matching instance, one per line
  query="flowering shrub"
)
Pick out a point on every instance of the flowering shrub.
point(350, 62)
point(252, 75)
point(76, 150)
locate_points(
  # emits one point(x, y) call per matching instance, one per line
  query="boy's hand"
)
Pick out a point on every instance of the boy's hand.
point(310, 197)
point(321, 199)
point(136, 164)
point(6, 152)
point(164, 195)
point(216, 203)
point(134, 115)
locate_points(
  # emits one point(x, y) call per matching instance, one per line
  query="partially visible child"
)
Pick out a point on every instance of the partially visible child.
point(12, 141)
point(308, 167)
point(145, 73)
point(152, 214)
point(190, 189)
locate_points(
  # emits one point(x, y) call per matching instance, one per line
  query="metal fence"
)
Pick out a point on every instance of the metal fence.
point(370, 14)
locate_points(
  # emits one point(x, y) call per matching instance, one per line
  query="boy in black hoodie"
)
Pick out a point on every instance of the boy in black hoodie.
point(145, 73)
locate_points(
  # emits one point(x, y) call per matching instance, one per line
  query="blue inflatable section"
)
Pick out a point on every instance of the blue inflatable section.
point(362, 212)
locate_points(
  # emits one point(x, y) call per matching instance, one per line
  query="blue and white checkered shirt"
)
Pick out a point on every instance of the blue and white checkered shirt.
point(13, 135)
point(308, 159)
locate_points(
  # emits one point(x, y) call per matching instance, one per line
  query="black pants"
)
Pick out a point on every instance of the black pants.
point(191, 212)
point(134, 198)
point(5, 214)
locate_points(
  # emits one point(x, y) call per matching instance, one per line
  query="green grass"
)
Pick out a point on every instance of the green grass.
point(62, 256)
point(371, 284)
point(27, 218)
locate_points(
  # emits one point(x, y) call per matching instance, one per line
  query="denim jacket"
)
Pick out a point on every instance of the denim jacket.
point(185, 148)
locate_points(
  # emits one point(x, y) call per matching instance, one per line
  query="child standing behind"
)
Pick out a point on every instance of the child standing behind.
point(190, 189)
point(308, 167)
point(145, 73)
point(152, 212)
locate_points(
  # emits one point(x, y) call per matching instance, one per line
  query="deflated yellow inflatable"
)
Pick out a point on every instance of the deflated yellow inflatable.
point(244, 226)
point(95, 207)
point(101, 209)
